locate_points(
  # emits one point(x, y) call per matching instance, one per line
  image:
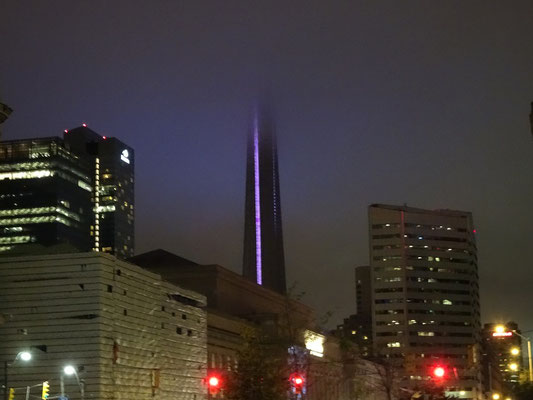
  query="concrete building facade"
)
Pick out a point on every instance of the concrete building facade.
point(234, 303)
point(128, 333)
point(425, 308)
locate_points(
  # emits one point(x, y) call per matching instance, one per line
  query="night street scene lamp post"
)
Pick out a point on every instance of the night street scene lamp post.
point(24, 356)
point(69, 370)
point(528, 354)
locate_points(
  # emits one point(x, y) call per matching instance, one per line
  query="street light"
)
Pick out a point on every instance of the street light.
point(496, 396)
point(499, 328)
point(513, 367)
point(515, 351)
point(22, 355)
point(70, 370)
point(528, 355)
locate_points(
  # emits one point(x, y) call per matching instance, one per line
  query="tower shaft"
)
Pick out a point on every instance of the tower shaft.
point(263, 260)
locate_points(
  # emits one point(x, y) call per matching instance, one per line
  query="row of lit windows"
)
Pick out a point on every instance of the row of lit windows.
point(40, 210)
point(414, 322)
point(419, 247)
point(419, 237)
point(424, 312)
point(444, 302)
point(449, 334)
point(16, 239)
point(423, 269)
point(35, 220)
point(410, 225)
point(439, 280)
point(34, 167)
point(428, 258)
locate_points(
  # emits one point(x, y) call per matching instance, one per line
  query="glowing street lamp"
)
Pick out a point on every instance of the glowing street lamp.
point(513, 367)
point(496, 396)
point(515, 351)
point(499, 329)
point(70, 370)
point(22, 355)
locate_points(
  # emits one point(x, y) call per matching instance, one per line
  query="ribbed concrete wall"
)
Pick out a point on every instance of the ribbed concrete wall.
point(131, 335)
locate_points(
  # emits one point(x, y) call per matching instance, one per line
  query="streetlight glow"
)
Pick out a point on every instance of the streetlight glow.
point(499, 329)
point(25, 355)
point(69, 370)
point(496, 396)
point(513, 366)
point(515, 351)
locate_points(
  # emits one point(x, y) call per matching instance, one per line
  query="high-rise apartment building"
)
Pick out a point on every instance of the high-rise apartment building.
point(263, 260)
point(425, 294)
point(76, 191)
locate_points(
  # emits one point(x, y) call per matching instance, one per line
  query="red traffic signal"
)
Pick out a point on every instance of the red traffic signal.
point(297, 382)
point(214, 383)
point(439, 372)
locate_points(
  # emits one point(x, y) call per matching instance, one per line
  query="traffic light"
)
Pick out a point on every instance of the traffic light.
point(439, 373)
point(11, 393)
point(297, 382)
point(213, 383)
point(46, 389)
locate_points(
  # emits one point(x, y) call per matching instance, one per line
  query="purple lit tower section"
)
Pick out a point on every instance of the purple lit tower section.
point(264, 260)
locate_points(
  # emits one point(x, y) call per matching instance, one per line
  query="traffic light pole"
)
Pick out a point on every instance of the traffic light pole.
point(6, 389)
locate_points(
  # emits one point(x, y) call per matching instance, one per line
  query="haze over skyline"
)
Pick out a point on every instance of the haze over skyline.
point(422, 103)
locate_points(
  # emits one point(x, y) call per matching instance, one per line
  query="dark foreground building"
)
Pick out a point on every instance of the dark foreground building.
point(74, 193)
point(263, 261)
point(502, 357)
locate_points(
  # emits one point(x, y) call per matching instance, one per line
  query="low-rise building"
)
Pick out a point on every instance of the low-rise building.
point(128, 333)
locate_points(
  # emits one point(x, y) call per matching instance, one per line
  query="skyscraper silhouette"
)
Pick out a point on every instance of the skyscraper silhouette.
point(264, 260)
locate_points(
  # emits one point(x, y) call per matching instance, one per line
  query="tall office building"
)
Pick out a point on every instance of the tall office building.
point(263, 260)
point(425, 294)
point(45, 196)
point(113, 167)
point(74, 193)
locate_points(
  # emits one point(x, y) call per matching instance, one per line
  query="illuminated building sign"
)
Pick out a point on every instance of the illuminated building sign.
point(502, 334)
point(125, 156)
point(314, 342)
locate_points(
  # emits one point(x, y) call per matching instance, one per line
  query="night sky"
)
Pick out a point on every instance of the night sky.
point(417, 102)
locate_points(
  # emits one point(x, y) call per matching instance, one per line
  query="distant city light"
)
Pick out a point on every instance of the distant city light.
point(84, 125)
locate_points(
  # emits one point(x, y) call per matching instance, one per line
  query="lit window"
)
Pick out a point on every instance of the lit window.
point(447, 302)
point(393, 344)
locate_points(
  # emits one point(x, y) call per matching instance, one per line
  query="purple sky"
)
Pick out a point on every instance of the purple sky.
point(416, 102)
